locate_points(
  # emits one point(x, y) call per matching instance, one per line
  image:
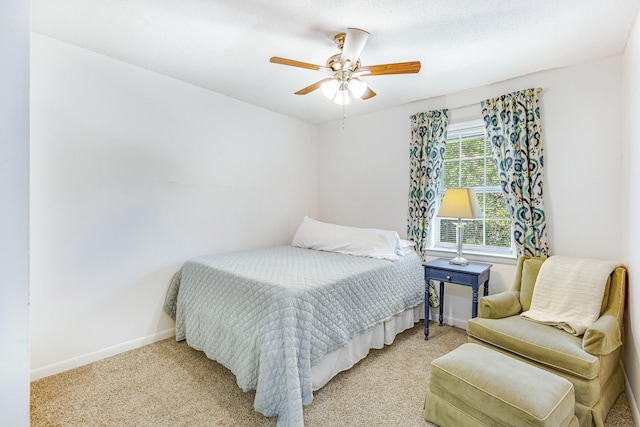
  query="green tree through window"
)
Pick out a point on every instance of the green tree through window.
point(468, 163)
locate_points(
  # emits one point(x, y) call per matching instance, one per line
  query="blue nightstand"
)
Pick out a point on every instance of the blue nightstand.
point(473, 274)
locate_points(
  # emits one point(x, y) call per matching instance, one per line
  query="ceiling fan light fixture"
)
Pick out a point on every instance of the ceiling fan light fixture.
point(330, 88)
point(357, 87)
point(342, 97)
point(344, 69)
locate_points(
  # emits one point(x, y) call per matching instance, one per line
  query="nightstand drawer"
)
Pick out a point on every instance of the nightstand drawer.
point(452, 277)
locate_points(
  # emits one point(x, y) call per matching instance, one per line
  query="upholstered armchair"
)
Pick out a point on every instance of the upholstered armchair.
point(590, 361)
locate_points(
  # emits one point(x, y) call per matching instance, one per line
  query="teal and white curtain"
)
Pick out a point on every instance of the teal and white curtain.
point(426, 155)
point(514, 131)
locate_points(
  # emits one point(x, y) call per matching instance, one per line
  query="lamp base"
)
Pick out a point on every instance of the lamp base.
point(458, 261)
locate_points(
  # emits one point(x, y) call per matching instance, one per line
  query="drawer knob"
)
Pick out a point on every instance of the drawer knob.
point(448, 277)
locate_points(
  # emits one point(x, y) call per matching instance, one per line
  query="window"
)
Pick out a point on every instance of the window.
point(468, 163)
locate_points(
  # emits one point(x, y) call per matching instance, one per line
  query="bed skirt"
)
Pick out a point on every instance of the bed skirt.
point(358, 347)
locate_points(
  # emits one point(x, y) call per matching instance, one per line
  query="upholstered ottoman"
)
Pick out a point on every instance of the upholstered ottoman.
point(477, 386)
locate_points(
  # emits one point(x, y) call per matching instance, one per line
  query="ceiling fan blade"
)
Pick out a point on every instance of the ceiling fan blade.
point(312, 87)
point(368, 94)
point(354, 42)
point(291, 62)
point(397, 68)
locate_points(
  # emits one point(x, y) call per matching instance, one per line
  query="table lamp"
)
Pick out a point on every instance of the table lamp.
point(459, 203)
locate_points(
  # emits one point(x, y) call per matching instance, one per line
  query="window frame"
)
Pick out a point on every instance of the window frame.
point(435, 247)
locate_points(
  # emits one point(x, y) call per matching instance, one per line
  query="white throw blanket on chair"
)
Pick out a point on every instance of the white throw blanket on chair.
point(568, 292)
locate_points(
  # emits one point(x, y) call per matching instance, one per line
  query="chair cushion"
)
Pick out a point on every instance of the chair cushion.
point(546, 345)
point(496, 389)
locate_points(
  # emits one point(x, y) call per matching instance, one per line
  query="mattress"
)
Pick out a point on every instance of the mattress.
point(271, 314)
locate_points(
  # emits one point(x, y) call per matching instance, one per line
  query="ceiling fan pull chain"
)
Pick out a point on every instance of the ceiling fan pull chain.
point(344, 114)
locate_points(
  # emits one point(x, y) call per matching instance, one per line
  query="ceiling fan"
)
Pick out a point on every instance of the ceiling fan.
point(345, 70)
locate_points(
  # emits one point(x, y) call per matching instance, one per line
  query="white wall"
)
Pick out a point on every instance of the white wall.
point(132, 173)
point(15, 21)
point(365, 166)
point(631, 192)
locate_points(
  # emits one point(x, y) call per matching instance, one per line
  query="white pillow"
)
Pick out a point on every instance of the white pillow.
point(365, 242)
point(405, 247)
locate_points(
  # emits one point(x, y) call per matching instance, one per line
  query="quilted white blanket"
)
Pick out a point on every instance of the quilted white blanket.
point(568, 292)
point(270, 314)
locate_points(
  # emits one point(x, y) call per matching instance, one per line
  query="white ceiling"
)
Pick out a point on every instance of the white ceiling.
point(225, 45)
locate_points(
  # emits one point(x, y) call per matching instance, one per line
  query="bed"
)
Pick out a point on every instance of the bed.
point(286, 319)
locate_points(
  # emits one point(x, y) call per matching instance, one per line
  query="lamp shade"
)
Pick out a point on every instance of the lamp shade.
point(330, 88)
point(357, 87)
point(342, 97)
point(460, 203)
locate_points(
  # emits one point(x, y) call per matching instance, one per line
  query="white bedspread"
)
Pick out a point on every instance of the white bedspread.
point(568, 292)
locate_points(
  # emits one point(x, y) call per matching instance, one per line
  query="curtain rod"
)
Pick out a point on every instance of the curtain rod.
point(538, 90)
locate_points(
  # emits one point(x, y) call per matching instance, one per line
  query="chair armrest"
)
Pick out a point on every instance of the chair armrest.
point(603, 336)
point(500, 305)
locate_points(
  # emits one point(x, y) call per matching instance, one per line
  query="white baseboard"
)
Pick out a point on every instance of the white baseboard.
point(451, 321)
point(458, 323)
point(85, 359)
point(633, 405)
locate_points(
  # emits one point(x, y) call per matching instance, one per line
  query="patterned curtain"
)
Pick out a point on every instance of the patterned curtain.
point(514, 131)
point(426, 154)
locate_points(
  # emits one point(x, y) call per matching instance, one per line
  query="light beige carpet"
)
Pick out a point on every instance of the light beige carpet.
point(169, 384)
